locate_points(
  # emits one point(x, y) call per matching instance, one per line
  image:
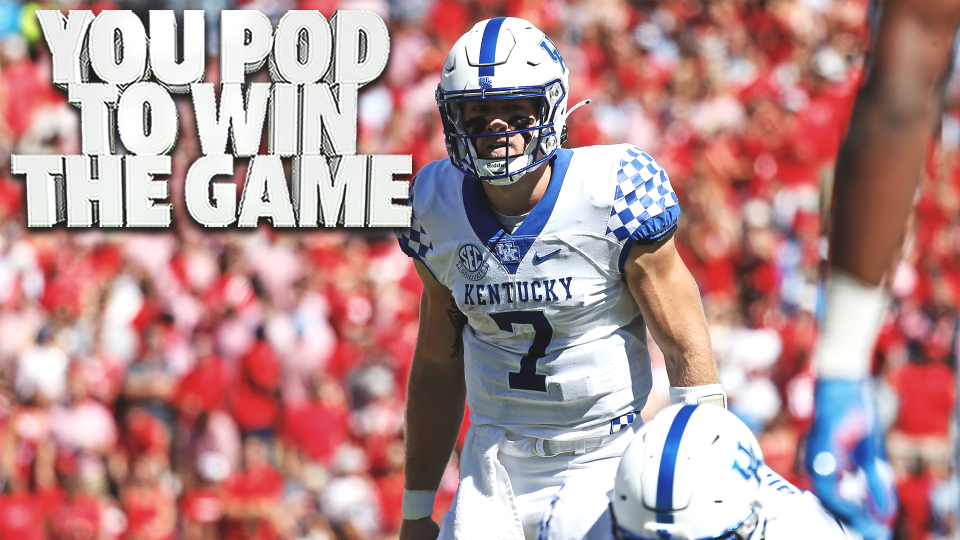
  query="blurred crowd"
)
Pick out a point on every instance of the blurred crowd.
point(186, 384)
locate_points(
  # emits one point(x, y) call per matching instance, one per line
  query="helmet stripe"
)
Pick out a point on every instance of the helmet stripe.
point(668, 463)
point(488, 46)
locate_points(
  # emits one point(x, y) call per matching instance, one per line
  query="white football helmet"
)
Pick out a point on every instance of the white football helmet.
point(503, 58)
point(691, 473)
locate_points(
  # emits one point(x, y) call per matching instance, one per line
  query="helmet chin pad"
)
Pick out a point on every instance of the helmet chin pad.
point(500, 166)
point(492, 169)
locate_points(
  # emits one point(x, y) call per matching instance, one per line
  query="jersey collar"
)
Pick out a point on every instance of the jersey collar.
point(489, 231)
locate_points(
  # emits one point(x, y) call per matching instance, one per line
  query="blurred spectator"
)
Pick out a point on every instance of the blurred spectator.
point(216, 432)
point(149, 505)
point(202, 506)
point(252, 496)
point(318, 426)
point(42, 372)
point(914, 492)
point(21, 516)
point(255, 399)
point(945, 524)
point(926, 390)
point(86, 425)
point(144, 434)
point(204, 388)
point(149, 384)
point(21, 512)
point(77, 513)
point(350, 499)
point(390, 489)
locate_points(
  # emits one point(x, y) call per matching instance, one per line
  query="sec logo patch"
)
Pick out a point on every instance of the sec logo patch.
point(470, 262)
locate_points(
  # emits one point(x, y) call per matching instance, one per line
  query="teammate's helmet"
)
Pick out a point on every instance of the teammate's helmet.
point(691, 473)
point(503, 58)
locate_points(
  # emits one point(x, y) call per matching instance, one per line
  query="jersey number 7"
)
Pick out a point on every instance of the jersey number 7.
point(528, 378)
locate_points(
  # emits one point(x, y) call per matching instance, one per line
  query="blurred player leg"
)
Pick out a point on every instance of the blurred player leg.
point(896, 111)
point(877, 172)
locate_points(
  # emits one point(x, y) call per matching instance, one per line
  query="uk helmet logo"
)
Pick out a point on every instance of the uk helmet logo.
point(471, 263)
point(508, 252)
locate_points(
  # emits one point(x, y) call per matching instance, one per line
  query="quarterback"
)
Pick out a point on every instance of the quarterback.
point(693, 472)
point(543, 268)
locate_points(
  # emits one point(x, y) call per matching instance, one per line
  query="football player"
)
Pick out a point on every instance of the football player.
point(693, 472)
point(543, 268)
point(876, 178)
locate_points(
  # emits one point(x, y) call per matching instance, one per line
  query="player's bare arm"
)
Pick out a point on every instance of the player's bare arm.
point(670, 302)
point(435, 395)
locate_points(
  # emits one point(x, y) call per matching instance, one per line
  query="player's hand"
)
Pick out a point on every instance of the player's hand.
point(419, 529)
point(846, 436)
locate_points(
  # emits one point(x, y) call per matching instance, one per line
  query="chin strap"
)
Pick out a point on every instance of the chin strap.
point(500, 166)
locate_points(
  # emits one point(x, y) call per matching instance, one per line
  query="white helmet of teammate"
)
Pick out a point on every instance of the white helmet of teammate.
point(691, 473)
point(503, 58)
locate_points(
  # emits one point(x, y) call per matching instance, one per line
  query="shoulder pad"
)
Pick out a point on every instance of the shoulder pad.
point(645, 206)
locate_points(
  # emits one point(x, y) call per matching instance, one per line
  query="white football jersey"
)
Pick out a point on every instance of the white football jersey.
point(555, 345)
point(581, 511)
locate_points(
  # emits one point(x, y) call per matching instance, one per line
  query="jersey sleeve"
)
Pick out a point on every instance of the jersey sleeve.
point(645, 207)
point(414, 240)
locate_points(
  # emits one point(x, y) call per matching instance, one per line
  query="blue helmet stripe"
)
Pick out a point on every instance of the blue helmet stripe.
point(488, 46)
point(668, 463)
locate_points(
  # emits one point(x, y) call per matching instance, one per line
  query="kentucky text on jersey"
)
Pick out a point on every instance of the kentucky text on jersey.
point(522, 291)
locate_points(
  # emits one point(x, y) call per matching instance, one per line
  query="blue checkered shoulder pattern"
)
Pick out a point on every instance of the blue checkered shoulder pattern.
point(413, 239)
point(645, 206)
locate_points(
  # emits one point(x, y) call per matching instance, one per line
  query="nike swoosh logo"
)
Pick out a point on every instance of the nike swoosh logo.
point(537, 258)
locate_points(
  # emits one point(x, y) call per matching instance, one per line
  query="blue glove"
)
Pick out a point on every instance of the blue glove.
point(846, 435)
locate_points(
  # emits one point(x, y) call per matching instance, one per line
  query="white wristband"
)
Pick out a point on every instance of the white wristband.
point(695, 395)
point(418, 503)
point(848, 333)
